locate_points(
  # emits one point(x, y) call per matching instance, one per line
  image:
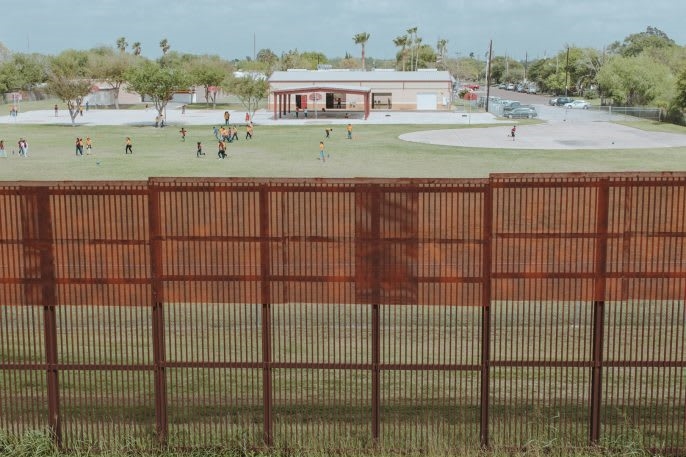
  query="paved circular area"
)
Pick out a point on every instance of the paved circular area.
point(564, 135)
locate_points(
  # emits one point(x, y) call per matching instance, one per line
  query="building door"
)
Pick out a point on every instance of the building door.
point(301, 101)
point(427, 102)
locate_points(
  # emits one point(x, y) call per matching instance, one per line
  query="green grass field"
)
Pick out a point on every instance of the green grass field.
point(292, 151)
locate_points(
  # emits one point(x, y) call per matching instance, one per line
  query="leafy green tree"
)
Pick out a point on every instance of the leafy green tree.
point(266, 61)
point(112, 69)
point(69, 80)
point(506, 69)
point(158, 82)
point(23, 72)
point(636, 43)
point(292, 59)
point(361, 39)
point(313, 59)
point(635, 81)
point(250, 91)
point(10, 78)
point(539, 70)
point(210, 72)
point(267, 56)
point(680, 97)
point(675, 109)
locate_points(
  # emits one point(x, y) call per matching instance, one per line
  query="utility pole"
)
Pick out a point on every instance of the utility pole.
point(567, 71)
point(488, 73)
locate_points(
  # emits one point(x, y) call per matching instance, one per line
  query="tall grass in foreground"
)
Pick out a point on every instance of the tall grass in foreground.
point(38, 443)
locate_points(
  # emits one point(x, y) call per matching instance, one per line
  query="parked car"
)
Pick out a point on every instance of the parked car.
point(581, 104)
point(509, 105)
point(510, 86)
point(562, 101)
point(526, 112)
point(552, 101)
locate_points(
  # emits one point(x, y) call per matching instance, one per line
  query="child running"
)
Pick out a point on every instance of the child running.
point(221, 153)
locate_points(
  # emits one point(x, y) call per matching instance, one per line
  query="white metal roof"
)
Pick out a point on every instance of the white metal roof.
point(336, 76)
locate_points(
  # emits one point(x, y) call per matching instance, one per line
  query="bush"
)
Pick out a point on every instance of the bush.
point(674, 115)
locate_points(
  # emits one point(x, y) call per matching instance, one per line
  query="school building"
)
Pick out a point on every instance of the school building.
point(295, 91)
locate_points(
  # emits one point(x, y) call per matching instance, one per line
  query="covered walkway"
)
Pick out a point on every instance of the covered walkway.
point(282, 97)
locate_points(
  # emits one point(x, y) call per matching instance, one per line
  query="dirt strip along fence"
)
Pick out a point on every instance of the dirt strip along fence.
point(410, 314)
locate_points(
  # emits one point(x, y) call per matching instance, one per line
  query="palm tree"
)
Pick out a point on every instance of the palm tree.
point(418, 44)
point(136, 48)
point(361, 39)
point(442, 48)
point(122, 44)
point(164, 44)
point(401, 42)
point(411, 33)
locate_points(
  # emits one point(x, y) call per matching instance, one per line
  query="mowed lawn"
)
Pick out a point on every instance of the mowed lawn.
point(293, 151)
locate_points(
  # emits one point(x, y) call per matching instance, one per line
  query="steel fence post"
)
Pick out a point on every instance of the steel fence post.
point(157, 301)
point(600, 270)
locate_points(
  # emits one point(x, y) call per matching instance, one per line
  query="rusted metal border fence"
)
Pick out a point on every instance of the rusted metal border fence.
point(411, 313)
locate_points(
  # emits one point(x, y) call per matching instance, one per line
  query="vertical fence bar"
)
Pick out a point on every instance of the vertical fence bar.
point(38, 228)
point(600, 269)
point(266, 315)
point(486, 310)
point(375, 268)
point(157, 299)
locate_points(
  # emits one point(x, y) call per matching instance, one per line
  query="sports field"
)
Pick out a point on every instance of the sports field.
point(445, 144)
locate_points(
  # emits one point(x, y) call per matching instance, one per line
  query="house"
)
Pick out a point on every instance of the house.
point(347, 90)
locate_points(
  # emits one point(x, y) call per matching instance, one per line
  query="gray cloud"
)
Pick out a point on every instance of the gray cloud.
point(518, 28)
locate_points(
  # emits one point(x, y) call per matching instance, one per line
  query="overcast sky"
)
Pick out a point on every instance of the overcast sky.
point(231, 29)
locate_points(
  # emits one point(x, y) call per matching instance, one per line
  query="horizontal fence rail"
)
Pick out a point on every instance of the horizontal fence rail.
point(403, 313)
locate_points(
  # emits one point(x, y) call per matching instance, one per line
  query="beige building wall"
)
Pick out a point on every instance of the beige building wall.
point(403, 94)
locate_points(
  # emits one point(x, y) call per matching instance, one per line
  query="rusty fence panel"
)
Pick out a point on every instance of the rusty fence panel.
point(589, 293)
point(407, 314)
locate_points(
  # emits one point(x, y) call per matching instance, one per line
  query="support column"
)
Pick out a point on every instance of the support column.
point(157, 305)
point(38, 235)
point(600, 270)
